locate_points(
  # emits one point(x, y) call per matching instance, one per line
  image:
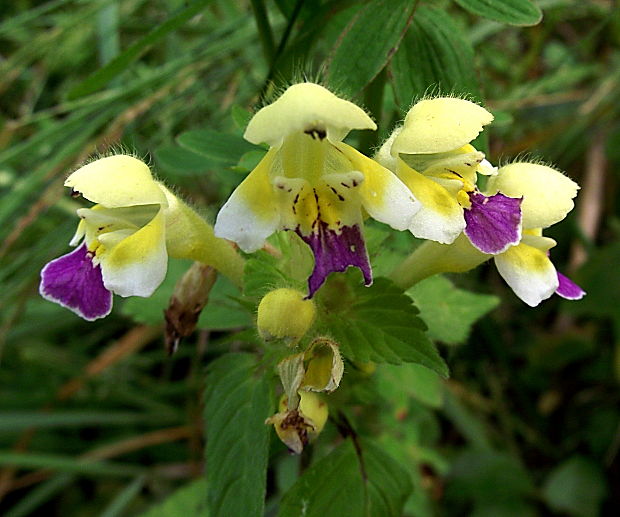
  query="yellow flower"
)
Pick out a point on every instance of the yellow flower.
point(431, 153)
point(312, 183)
point(526, 267)
point(126, 237)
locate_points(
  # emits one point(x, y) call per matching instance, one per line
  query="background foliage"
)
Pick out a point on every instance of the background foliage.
point(97, 421)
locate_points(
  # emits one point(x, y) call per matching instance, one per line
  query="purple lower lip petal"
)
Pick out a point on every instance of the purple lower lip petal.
point(335, 251)
point(494, 222)
point(73, 282)
point(569, 289)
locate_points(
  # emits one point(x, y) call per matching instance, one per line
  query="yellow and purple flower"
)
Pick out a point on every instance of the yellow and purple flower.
point(124, 240)
point(431, 153)
point(312, 183)
point(547, 197)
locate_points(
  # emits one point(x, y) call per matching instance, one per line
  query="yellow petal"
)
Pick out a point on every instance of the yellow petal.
point(487, 168)
point(536, 239)
point(431, 258)
point(383, 195)
point(440, 125)
point(458, 164)
point(134, 263)
point(79, 234)
point(116, 181)
point(251, 213)
point(291, 372)
point(306, 107)
point(528, 271)
point(547, 193)
point(296, 427)
point(440, 217)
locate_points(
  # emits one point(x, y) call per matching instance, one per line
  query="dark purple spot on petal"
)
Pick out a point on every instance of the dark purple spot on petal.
point(336, 251)
point(569, 289)
point(493, 223)
point(73, 282)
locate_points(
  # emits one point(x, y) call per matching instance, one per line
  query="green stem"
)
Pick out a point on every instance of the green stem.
point(108, 40)
point(281, 46)
point(189, 236)
point(287, 31)
point(223, 257)
point(432, 258)
point(264, 31)
point(420, 264)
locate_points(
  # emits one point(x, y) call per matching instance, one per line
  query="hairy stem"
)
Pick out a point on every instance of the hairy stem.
point(432, 258)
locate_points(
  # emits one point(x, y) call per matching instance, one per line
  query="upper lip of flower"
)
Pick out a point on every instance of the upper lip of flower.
point(309, 108)
point(117, 181)
point(440, 125)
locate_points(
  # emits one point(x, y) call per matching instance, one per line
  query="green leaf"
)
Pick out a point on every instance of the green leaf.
point(191, 500)
point(261, 275)
point(576, 487)
point(377, 323)
point(397, 383)
point(120, 63)
point(39, 495)
point(223, 148)
point(448, 311)
point(241, 116)
point(512, 508)
point(368, 43)
point(332, 486)
point(237, 402)
point(512, 12)
point(388, 482)
point(14, 421)
point(21, 19)
point(249, 161)
point(339, 484)
point(118, 506)
point(434, 56)
point(181, 161)
point(67, 464)
point(488, 477)
point(223, 311)
point(468, 424)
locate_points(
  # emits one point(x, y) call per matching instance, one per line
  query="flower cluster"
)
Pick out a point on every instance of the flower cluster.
point(423, 179)
point(427, 178)
point(433, 155)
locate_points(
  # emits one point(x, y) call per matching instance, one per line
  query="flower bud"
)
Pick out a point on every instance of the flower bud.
point(285, 314)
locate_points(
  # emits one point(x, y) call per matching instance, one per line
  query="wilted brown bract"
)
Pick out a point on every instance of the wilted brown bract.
point(186, 303)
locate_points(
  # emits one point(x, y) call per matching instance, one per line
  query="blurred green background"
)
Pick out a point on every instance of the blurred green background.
point(95, 418)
